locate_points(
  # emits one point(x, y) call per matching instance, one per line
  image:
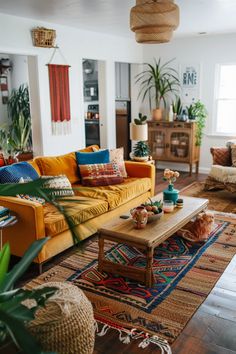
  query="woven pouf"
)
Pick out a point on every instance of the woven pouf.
point(66, 324)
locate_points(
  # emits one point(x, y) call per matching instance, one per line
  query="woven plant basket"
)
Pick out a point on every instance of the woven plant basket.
point(66, 324)
point(43, 37)
point(155, 14)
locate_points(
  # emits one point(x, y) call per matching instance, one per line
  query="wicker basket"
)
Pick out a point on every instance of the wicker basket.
point(43, 37)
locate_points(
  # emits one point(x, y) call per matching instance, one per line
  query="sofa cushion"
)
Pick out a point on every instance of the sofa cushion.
point(102, 174)
point(225, 174)
point(79, 209)
point(60, 165)
point(88, 158)
point(58, 186)
point(16, 172)
point(221, 156)
point(116, 195)
point(117, 156)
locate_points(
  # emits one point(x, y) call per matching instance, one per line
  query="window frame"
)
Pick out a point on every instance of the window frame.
point(217, 99)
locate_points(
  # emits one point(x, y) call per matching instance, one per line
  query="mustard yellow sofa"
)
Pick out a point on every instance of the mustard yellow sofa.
point(90, 208)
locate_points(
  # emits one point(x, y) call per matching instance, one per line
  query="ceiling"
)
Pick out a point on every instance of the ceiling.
point(112, 16)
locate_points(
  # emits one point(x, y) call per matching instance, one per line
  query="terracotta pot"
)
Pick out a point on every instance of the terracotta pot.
point(157, 114)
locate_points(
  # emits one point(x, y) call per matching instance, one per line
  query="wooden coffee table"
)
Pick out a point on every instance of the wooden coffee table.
point(123, 231)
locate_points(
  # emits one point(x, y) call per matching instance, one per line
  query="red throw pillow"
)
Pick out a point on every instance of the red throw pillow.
point(101, 174)
point(221, 156)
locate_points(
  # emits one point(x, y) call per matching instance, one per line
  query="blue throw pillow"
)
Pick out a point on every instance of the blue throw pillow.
point(91, 158)
point(13, 173)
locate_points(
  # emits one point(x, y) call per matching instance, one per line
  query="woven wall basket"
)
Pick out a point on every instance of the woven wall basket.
point(43, 37)
point(66, 324)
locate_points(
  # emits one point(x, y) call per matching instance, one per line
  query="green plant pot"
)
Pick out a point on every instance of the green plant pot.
point(171, 194)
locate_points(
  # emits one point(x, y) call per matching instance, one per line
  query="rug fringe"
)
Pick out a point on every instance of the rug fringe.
point(125, 336)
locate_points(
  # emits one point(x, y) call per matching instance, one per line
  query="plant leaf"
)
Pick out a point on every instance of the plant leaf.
point(4, 261)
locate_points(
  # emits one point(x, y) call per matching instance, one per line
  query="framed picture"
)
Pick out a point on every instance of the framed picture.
point(190, 82)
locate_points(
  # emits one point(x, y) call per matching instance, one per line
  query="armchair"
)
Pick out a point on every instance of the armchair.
point(222, 174)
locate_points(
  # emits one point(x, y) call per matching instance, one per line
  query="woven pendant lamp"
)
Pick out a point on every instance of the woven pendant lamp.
point(154, 21)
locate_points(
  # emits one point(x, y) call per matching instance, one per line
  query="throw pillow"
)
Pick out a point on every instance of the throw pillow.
point(221, 156)
point(59, 186)
point(89, 158)
point(16, 172)
point(103, 174)
point(233, 155)
point(117, 156)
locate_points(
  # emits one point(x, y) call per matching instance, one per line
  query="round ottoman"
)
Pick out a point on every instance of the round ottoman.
point(66, 323)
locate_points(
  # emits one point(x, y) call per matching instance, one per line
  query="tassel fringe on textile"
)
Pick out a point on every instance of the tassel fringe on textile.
point(61, 128)
point(125, 336)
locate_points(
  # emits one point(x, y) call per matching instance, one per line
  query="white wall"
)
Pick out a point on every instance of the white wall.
point(19, 71)
point(208, 51)
point(74, 44)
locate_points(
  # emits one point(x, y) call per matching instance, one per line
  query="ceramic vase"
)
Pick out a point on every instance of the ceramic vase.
point(140, 217)
point(171, 194)
point(157, 114)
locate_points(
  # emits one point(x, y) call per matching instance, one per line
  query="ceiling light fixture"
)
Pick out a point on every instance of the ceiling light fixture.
point(154, 21)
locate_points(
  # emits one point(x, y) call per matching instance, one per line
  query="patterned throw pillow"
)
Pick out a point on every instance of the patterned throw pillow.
point(221, 156)
point(233, 155)
point(58, 186)
point(16, 172)
point(102, 174)
point(117, 156)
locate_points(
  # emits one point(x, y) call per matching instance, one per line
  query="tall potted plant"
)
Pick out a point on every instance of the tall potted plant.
point(197, 111)
point(157, 82)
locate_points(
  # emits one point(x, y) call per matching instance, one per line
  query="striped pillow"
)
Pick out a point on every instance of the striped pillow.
point(233, 155)
point(102, 174)
point(58, 186)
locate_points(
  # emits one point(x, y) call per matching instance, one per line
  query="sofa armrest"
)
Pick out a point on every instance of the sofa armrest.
point(221, 156)
point(141, 170)
point(30, 225)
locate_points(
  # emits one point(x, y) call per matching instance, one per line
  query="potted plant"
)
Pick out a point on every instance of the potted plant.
point(177, 108)
point(141, 151)
point(157, 82)
point(198, 112)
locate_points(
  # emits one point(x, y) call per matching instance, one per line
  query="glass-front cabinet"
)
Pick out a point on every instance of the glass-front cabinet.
point(174, 142)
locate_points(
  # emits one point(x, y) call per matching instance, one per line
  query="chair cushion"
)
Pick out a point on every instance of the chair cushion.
point(223, 174)
point(233, 155)
point(102, 174)
point(79, 210)
point(118, 194)
point(16, 172)
point(221, 156)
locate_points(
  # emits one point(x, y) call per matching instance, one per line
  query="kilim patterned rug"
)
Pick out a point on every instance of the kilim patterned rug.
point(185, 273)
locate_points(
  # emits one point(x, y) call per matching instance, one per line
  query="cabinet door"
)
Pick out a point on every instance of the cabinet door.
point(179, 145)
point(157, 143)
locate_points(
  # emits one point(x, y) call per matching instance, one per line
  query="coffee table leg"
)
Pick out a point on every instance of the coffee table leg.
point(101, 252)
point(149, 271)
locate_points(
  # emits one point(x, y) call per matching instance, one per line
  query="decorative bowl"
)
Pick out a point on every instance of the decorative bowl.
point(155, 217)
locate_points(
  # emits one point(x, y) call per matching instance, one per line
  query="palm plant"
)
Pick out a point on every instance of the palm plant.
point(157, 82)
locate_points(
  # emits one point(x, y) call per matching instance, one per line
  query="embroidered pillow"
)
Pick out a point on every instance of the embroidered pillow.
point(102, 174)
point(233, 155)
point(18, 172)
point(221, 156)
point(58, 186)
point(117, 156)
point(89, 158)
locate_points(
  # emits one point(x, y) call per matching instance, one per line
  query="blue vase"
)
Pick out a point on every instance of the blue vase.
point(171, 194)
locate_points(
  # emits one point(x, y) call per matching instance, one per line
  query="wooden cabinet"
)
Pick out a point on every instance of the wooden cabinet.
point(174, 142)
point(122, 81)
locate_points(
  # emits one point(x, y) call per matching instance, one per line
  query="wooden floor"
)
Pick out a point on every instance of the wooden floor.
point(212, 330)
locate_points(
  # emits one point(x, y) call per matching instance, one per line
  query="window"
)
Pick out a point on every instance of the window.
point(225, 123)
